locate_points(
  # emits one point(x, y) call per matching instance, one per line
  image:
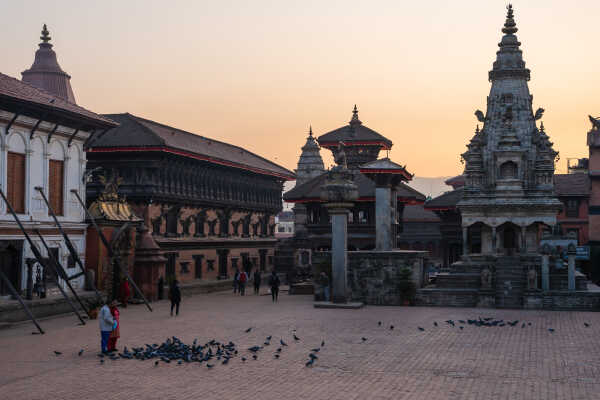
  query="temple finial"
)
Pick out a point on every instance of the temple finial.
point(355, 120)
point(45, 38)
point(477, 129)
point(310, 130)
point(510, 26)
point(542, 129)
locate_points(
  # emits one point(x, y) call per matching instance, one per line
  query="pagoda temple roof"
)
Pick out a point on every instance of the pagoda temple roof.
point(140, 134)
point(446, 201)
point(354, 134)
point(572, 185)
point(385, 166)
point(310, 191)
point(357, 135)
point(22, 98)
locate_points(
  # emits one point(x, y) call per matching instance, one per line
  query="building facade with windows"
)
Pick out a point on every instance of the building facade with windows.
point(42, 144)
point(210, 205)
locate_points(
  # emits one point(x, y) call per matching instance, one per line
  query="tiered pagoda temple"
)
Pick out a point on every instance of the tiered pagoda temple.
point(360, 145)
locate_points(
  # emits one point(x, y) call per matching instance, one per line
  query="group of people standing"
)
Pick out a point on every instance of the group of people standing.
point(109, 313)
point(240, 280)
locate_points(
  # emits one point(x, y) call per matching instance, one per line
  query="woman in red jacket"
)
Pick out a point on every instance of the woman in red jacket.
point(115, 334)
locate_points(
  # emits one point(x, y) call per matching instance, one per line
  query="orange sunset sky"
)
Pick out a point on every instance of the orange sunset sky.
point(258, 73)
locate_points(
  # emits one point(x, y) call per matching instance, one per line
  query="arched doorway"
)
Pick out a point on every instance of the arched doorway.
point(509, 234)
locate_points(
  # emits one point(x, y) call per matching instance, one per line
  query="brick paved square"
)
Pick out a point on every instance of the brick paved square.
point(441, 362)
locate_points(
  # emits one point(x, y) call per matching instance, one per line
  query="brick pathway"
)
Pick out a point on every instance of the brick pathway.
point(440, 363)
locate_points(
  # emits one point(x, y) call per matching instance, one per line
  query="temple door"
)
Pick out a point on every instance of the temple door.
point(10, 263)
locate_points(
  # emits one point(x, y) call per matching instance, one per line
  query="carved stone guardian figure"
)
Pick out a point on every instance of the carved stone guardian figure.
point(486, 278)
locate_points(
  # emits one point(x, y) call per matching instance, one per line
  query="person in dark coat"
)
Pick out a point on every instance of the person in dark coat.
point(161, 288)
point(175, 296)
point(256, 281)
point(274, 282)
point(236, 281)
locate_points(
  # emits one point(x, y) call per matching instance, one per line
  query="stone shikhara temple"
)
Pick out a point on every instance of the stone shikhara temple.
point(507, 202)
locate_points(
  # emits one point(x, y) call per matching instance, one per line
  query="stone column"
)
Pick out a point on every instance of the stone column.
point(383, 219)
point(339, 191)
point(571, 260)
point(339, 256)
point(494, 240)
point(465, 237)
point(524, 239)
point(545, 268)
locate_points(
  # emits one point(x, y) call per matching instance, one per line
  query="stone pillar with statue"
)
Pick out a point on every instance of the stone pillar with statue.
point(339, 193)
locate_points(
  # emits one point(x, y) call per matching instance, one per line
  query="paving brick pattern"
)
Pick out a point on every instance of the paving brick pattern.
point(440, 363)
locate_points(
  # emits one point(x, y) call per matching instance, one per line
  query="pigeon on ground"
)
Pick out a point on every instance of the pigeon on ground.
point(421, 329)
point(310, 362)
point(279, 350)
point(523, 326)
point(282, 342)
point(156, 363)
point(391, 327)
point(80, 352)
point(254, 356)
point(316, 350)
point(254, 349)
point(322, 343)
point(276, 355)
point(364, 339)
point(266, 343)
point(243, 358)
point(529, 323)
point(313, 356)
point(586, 324)
point(248, 330)
point(102, 361)
point(269, 337)
point(461, 321)
point(296, 337)
point(551, 330)
point(379, 323)
point(179, 362)
point(209, 365)
point(435, 323)
point(58, 353)
point(461, 327)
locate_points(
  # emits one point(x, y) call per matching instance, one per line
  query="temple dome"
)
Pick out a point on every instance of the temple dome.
point(46, 74)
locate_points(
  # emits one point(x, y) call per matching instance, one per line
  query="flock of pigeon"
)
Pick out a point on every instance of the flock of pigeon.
point(213, 352)
point(210, 353)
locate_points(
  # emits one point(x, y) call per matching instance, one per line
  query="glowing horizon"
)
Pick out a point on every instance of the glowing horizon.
point(257, 74)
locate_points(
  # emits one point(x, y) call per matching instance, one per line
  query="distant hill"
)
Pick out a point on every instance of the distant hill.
point(428, 186)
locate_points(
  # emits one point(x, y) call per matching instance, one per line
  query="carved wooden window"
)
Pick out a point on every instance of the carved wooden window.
point(172, 217)
point(508, 170)
point(572, 208)
point(56, 184)
point(198, 266)
point(15, 184)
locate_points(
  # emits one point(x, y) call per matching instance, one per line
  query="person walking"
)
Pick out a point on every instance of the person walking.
point(325, 285)
point(274, 282)
point(175, 296)
point(242, 282)
point(124, 292)
point(161, 288)
point(256, 279)
point(106, 326)
point(236, 281)
point(115, 334)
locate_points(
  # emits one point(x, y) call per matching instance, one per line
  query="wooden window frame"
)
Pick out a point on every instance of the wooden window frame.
point(56, 189)
point(14, 182)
